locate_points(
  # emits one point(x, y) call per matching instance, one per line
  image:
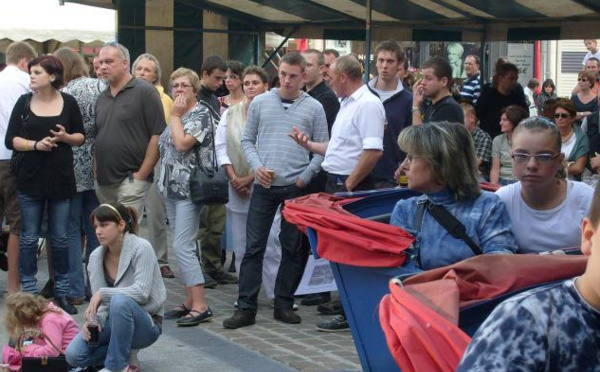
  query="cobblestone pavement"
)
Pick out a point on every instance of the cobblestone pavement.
point(269, 345)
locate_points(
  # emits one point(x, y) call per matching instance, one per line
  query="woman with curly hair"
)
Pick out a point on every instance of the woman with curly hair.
point(50, 326)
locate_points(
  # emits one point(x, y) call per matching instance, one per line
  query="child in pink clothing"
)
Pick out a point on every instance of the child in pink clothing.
point(26, 312)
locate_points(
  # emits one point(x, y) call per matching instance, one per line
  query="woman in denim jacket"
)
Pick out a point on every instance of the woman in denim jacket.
point(441, 164)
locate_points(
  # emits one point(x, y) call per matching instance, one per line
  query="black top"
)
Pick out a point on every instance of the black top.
point(208, 96)
point(490, 104)
point(322, 93)
point(446, 109)
point(126, 123)
point(43, 174)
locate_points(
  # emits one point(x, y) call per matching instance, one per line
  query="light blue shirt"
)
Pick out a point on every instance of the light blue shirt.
point(485, 218)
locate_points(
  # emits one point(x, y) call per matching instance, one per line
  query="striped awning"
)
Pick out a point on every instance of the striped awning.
point(419, 20)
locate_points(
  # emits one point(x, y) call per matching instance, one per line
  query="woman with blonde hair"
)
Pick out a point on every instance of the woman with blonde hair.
point(49, 329)
point(184, 145)
point(441, 164)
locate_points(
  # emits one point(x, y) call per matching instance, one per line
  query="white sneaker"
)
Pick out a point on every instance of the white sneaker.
point(109, 370)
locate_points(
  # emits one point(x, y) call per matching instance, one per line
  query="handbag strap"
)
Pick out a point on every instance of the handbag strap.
point(213, 113)
point(37, 334)
point(25, 116)
point(456, 229)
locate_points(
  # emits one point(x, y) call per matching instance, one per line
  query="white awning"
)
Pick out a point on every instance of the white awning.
point(42, 20)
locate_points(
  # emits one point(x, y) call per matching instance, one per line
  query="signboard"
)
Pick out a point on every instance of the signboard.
point(521, 54)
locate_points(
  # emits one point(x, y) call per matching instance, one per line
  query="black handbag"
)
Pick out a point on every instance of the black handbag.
point(209, 185)
point(43, 363)
point(17, 156)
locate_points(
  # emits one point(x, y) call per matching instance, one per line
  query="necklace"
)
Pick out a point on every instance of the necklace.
point(567, 137)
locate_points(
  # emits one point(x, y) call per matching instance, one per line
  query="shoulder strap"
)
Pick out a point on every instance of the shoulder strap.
point(452, 225)
point(25, 116)
point(36, 334)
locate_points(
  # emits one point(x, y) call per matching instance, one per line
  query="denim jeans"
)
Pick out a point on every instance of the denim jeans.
point(32, 210)
point(129, 326)
point(263, 205)
point(184, 219)
point(82, 206)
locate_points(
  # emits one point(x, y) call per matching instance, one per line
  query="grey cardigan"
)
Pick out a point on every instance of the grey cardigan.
point(138, 277)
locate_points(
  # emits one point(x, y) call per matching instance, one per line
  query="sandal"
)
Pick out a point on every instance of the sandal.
point(194, 320)
point(178, 312)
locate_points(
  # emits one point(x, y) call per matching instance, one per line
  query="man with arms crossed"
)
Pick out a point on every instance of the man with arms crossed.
point(129, 117)
point(282, 170)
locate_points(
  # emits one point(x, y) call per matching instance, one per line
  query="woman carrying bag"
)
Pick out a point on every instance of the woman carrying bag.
point(186, 144)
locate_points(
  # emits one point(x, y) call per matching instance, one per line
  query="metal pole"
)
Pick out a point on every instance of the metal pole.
point(368, 42)
point(279, 47)
point(257, 49)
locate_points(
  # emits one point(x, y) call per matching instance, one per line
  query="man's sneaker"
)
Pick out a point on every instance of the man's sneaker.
point(287, 316)
point(337, 324)
point(166, 272)
point(316, 299)
point(224, 278)
point(331, 308)
point(240, 318)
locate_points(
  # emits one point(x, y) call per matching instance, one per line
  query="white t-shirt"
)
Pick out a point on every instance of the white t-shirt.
point(590, 55)
point(557, 228)
point(358, 126)
point(13, 84)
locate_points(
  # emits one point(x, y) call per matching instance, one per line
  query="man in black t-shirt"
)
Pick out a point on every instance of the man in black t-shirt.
point(435, 85)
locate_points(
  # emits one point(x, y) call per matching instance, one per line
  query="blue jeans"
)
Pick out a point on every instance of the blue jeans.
point(129, 326)
point(82, 206)
point(32, 210)
point(263, 206)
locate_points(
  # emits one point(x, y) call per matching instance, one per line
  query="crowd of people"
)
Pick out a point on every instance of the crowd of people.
point(83, 159)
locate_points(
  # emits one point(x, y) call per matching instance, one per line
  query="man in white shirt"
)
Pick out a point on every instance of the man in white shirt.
point(14, 82)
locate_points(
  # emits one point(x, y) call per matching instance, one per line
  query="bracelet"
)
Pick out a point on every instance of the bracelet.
point(27, 145)
point(35, 145)
point(414, 109)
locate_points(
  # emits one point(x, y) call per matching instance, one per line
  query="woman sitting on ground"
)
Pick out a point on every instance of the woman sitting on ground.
point(501, 172)
point(128, 294)
point(440, 163)
point(46, 325)
point(548, 208)
point(575, 143)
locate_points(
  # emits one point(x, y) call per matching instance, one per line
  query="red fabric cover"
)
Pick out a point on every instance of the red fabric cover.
point(418, 338)
point(488, 276)
point(344, 237)
point(420, 319)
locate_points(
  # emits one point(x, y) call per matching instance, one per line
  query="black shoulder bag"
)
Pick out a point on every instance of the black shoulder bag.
point(17, 156)
point(456, 229)
point(209, 185)
point(42, 363)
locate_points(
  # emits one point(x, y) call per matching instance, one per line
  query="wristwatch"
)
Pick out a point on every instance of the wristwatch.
point(414, 108)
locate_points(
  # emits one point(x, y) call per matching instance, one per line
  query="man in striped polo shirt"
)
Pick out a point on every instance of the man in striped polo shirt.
point(282, 169)
point(472, 86)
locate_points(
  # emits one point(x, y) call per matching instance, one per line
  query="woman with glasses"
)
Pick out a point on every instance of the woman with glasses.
point(575, 144)
point(546, 208)
point(184, 144)
point(441, 164)
point(501, 172)
point(585, 100)
point(233, 82)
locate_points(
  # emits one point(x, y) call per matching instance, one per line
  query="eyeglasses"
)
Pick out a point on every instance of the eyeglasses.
point(232, 77)
point(580, 79)
point(521, 157)
point(182, 85)
point(409, 158)
point(561, 116)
